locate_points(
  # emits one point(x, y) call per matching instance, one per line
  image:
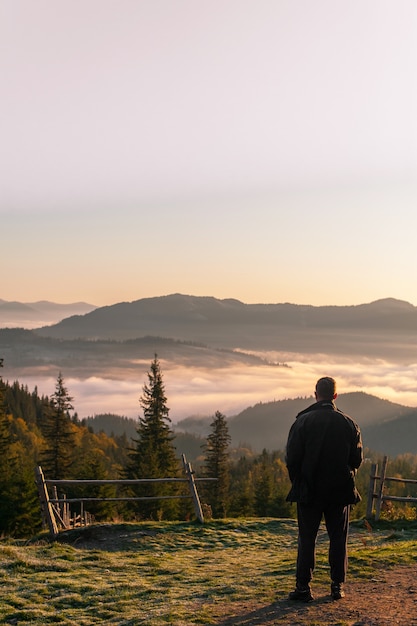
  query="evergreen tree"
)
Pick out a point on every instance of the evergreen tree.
point(260, 486)
point(20, 513)
point(217, 465)
point(91, 465)
point(19, 504)
point(242, 489)
point(264, 485)
point(58, 431)
point(4, 422)
point(154, 453)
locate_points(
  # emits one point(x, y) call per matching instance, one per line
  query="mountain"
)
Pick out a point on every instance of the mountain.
point(26, 352)
point(34, 314)
point(208, 342)
point(386, 427)
point(385, 328)
point(394, 436)
point(185, 443)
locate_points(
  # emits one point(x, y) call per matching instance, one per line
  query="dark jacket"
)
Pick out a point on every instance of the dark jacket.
point(324, 450)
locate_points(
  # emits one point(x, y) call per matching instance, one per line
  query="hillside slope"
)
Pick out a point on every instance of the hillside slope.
point(25, 351)
point(386, 426)
point(379, 328)
point(36, 314)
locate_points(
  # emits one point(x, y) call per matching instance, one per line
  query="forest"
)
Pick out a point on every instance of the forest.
point(46, 431)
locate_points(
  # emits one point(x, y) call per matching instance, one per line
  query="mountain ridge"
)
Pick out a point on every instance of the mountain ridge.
point(192, 332)
point(387, 427)
point(381, 327)
point(39, 313)
point(26, 351)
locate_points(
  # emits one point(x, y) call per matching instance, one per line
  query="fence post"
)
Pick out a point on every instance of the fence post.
point(381, 488)
point(45, 503)
point(197, 504)
point(371, 490)
point(57, 509)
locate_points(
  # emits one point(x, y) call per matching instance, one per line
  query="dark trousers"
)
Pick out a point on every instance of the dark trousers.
point(336, 517)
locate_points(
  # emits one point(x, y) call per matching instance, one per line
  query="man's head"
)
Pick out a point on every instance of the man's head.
point(326, 389)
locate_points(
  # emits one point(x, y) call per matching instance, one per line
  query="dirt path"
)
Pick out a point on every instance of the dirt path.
point(387, 599)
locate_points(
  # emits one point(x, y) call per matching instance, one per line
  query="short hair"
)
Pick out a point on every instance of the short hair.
point(326, 388)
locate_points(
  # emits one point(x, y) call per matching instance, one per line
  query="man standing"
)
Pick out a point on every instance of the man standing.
point(324, 450)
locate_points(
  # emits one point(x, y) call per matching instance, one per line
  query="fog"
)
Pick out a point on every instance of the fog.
point(200, 391)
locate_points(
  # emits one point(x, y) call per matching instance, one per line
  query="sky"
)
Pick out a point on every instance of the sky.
point(260, 150)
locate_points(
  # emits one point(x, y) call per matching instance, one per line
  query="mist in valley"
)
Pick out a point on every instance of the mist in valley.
point(200, 390)
point(217, 354)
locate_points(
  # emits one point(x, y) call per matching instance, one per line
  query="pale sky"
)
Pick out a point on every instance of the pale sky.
point(264, 150)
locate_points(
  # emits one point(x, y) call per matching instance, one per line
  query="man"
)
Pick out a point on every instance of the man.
point(324, 451)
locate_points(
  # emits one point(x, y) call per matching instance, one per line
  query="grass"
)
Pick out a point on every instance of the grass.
point(174, 572)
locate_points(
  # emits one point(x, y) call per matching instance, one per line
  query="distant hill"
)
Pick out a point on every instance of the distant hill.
point(383, 328)
point(26, 352)
point(116, 425)
point(36, 314)
point(112, 425)
point(118, 342)
point(386, 426)
point(394, 436)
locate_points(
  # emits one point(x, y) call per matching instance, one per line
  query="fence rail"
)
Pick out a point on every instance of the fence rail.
point(55, 510)
point(377, 484)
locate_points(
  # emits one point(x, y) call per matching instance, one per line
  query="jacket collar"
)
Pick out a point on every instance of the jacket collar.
point(323, 404)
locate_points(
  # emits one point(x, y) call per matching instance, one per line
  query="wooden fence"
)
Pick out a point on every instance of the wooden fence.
point(56, 510)
point(377, 483)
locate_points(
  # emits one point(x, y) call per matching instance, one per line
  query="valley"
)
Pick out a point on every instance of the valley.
point(243, 360)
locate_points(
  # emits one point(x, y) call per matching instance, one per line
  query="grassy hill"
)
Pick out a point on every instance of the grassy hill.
point(222, 573)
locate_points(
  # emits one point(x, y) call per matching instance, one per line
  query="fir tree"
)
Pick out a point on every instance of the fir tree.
point(242, 489)
point(4, 422)
point(19, 504)
point(58, 431)
point(264, 485)
point(154, 453)
point(217, 465)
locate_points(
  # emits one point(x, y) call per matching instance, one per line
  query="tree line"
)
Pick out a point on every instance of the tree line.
point(46, 431)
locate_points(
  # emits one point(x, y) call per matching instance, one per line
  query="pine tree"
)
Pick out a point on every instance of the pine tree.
point(242, 489)
point(20, 513)
point(58, 431)
point(19, 504)
point(4, 422)
point(264, 485)
point(154, 453)
point(217, 465)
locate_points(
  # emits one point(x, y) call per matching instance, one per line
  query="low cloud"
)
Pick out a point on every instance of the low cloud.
point(200, 391)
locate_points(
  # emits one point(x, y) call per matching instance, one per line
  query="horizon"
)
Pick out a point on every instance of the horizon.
point(176, 293)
